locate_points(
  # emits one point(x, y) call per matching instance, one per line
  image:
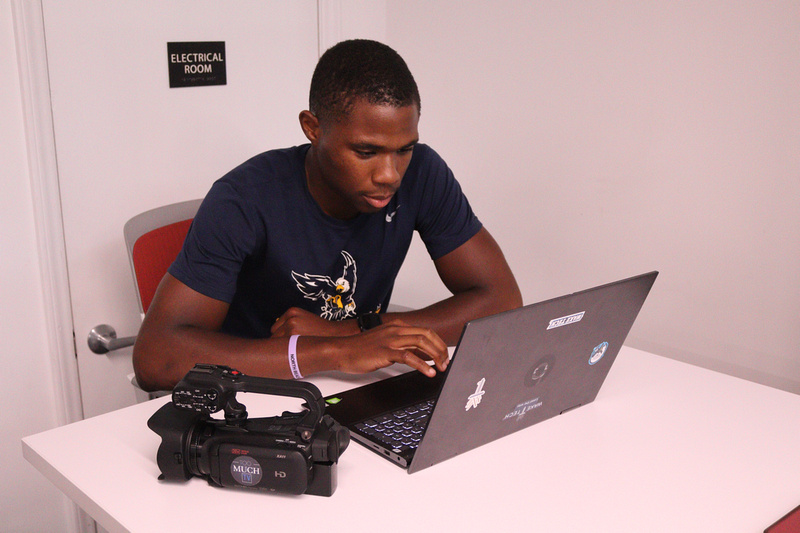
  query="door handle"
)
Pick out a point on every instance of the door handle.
point(103, 339)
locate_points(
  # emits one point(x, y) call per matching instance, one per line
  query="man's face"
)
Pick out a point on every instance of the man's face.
point(356, 164)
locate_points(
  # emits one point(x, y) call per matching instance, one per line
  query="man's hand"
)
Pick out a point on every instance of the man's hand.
point(296, 321)
point(392, 343)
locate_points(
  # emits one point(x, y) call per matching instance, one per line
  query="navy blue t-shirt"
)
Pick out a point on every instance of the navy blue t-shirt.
point(261, 243)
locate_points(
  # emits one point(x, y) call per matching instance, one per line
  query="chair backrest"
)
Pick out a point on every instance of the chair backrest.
point(154, 239)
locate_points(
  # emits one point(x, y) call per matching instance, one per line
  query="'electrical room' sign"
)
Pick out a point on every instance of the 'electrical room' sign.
point(196, 64)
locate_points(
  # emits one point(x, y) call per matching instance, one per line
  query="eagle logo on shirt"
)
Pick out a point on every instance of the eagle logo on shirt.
point(336, 295)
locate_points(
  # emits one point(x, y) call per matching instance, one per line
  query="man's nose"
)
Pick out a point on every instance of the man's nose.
point(388, 171)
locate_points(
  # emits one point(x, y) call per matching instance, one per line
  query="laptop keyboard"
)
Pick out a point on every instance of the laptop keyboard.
point(399, 430)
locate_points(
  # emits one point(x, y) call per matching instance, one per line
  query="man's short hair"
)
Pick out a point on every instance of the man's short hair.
point(360, 69)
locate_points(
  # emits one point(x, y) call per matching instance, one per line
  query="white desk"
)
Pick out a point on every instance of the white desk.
point(665, 447)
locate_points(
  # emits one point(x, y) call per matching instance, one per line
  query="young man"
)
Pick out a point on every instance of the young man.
point(290, 262)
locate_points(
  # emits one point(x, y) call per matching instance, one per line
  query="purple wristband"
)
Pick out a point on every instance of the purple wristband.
point(293, 357)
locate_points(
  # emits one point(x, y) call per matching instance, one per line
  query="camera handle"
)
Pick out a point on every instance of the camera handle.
point(211, 388)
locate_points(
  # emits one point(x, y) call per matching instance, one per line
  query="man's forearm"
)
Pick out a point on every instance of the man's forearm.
point(447, 317)
point(482, 284)
point(162, 359)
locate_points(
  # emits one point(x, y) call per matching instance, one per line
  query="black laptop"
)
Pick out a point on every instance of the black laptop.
point(509, 371)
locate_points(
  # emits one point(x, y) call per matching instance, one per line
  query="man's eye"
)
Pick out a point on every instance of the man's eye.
point(364, 153)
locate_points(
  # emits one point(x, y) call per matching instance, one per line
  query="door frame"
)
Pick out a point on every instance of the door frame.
point(28, 23)
point(43, 176)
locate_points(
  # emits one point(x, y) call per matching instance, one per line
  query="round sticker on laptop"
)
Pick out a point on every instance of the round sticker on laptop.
point(598, 353)
point(537, 373)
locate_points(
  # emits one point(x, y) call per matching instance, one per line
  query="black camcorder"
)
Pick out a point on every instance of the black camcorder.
point(295, 453)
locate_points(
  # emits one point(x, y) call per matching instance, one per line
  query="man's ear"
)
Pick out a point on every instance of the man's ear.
point(310, 125)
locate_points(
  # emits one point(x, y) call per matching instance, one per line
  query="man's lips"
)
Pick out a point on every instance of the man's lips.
point(378, 201)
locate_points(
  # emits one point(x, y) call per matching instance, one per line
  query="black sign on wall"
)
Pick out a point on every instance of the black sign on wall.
point(196, 64)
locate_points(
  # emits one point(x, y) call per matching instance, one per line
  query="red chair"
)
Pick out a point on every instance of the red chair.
point(154, 239)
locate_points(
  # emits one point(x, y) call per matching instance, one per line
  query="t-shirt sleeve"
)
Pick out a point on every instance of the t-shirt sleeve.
point(213, 252)
point(445, 220)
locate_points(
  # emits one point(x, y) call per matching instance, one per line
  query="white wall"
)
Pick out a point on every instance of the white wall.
point(598, 140)
point(28, 502)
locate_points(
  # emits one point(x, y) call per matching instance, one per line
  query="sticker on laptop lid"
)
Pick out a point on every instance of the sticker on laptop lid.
point(566, 320)
point(537, 373)
point(519, 411)
point(475, 398)
point(598, 353)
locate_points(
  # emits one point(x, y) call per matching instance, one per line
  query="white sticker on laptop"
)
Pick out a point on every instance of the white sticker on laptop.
point(598, 353)
point(475, 398)
point(519, 411)
point(566, 320)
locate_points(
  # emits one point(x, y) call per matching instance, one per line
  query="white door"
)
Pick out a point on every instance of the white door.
point(127, 143)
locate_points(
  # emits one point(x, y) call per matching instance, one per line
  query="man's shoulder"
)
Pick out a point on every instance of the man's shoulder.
point(426, 161)
point(424, 152)
point(260, 179)
point(280, 161)
point(265, 170)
